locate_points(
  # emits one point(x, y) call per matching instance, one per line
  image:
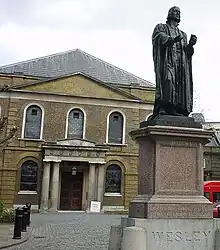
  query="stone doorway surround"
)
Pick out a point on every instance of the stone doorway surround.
point(72, 150)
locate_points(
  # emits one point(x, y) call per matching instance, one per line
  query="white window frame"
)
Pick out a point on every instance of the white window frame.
point(24, 119)
point(123, 130)
point(84, 121)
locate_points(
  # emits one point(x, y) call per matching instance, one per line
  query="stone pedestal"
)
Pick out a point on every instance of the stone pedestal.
point(170, 173)
point(173, 234)
point(170, 210)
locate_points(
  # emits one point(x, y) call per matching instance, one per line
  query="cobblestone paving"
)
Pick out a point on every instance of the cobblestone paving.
point(75, 231)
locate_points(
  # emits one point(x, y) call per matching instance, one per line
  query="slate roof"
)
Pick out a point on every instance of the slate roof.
point(73, 61)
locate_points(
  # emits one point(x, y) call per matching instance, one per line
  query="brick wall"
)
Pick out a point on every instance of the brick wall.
point(54, 128)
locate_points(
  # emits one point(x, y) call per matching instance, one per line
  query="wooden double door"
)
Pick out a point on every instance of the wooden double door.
point(71, 191)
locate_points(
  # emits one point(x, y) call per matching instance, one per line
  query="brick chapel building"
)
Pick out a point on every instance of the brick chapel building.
point(74, 113)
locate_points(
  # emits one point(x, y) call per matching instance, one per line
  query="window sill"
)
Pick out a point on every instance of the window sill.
point(31, 139)
point(113, 194)
point(27, 192)
point(116, 144)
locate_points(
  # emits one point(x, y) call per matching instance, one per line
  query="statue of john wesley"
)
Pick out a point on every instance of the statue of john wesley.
point(172, 63)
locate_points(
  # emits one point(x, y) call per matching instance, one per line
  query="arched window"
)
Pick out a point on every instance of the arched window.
point(28, 181)
point(75, 124)
point(115, 128)
point(33, 119)
point(113, 179)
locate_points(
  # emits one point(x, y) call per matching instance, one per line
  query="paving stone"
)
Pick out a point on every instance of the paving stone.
point(67, 231)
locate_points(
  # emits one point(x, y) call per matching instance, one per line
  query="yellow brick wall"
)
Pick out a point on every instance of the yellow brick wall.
point(146, 94)
point(54, 129)
point(10, 174)
point(13, 80)
point(77, 85)
point(8, 182)
point(55, 121)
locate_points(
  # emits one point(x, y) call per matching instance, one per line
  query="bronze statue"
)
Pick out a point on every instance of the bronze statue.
point(172, 57)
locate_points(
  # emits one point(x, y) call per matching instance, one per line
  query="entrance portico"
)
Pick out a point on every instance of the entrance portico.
point(61, 189)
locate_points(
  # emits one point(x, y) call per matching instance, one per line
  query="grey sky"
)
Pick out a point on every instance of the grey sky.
point(117, 31)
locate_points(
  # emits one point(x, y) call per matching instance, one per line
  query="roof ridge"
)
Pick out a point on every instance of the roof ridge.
point(115, 66)
point(36, 58)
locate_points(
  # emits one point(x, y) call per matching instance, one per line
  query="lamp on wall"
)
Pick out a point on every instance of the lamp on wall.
point(74, 169)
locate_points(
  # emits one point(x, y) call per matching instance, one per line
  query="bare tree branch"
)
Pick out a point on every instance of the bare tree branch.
point(3, 122)
point(9, 136)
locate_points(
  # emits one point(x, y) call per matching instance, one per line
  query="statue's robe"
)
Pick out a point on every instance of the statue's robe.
point(173, 68)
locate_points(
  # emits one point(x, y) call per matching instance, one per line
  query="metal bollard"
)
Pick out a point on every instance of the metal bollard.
point(18, 223)
point(24, 221)
point(28, 205)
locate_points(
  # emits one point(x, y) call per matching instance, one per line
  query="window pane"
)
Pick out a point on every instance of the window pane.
point(115, 118)
point(115, 131)
point(75, 124)
point(207, 195)
point(113, 179)
point(34, 112)
point(28, 179)
point(33, 122)
point(216, 197)
point(76, 115)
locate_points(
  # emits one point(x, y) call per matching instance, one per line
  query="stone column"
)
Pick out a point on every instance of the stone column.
point(55, 186)
point(92, 179)
point(101, 176)
point(45, 186)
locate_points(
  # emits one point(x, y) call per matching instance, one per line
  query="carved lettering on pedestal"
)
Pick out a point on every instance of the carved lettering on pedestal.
point(178, 236)
point(189, 237)
point(169, 236)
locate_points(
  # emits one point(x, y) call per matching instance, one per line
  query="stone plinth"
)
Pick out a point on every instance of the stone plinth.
point(173, 234)
point(170, 173)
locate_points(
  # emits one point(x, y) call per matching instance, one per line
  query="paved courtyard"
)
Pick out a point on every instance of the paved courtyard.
point(67, 231)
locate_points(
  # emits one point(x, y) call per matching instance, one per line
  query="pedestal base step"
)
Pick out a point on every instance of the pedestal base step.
point(169, 234)
point(175, 207)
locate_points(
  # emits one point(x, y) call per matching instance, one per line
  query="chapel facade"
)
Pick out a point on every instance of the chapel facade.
point(74, 113)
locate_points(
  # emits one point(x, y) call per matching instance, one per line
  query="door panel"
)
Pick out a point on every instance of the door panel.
point(71, 191)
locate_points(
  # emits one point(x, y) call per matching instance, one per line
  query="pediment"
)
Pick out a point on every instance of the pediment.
point(79, 85)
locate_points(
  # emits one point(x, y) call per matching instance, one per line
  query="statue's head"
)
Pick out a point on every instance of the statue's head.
point(174, 14)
